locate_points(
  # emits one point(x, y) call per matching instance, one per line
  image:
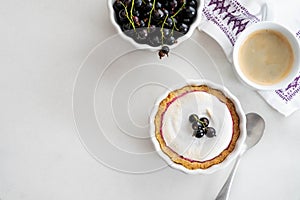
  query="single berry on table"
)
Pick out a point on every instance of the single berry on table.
point(164, 51)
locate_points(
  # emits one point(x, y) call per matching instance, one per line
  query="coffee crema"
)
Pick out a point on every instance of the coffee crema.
point(266, 57)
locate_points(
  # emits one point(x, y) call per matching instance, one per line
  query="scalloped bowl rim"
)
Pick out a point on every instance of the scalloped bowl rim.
point(239, 144)
point(181, 39)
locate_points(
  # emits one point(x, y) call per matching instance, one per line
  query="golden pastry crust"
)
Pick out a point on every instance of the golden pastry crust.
point(178, 158)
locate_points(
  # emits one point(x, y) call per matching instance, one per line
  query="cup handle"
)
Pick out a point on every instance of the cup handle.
point(266, 12)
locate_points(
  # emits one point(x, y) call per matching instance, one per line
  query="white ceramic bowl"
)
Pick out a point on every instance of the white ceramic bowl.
point(240, 142)
point(193, 26)
point(267, 25)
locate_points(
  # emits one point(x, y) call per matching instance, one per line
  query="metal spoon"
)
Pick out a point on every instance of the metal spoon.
point(255, 128)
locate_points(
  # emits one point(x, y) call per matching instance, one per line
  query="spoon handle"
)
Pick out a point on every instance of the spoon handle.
point(224, 192)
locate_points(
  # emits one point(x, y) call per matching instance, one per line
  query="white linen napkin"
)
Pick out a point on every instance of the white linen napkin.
point(225, 19)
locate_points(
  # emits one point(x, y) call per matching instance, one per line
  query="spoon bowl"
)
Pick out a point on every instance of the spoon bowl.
point(255, 127)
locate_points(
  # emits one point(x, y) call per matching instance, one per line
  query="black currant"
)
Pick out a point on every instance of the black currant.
point(170, 40)
point(197, 125)
point(142, 34)
point(192, 3)
point(199, 133)
point(187, 21)
point(210, 132)
point(158, 5)
point(157, 14)
point(152, 29)
point(168, 23)
point(126, 26)
point(183, 28)
point(122, 16)
point(154, 40)
point(166, 32)
point(117, 6)
point(204, 121)
point(193, 118)
point(166, 12)
point(189, 12)
point(164, 3)
point(164, 51)
point(138, 3)
point(173, 4)
point(147, 8)
point(136, 13)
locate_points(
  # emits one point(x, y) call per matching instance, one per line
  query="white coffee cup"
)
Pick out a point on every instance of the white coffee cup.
point(266, 56)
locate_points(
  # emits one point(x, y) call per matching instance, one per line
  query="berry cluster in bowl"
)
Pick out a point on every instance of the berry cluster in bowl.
point(155, 23)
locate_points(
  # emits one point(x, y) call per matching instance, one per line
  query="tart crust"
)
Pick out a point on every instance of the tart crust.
point(176, 158)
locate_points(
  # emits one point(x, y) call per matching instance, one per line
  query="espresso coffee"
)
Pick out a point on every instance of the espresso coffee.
point(266, 57)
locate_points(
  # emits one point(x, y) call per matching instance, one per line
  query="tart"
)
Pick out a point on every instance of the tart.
point(173, 133)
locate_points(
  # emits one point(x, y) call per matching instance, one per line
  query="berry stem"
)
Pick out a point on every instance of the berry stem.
point(127, 15)
point(174, 15)
point(131, 9)
point(162, 30)
point(179, 10)
point(198, 120)
point(150, 15)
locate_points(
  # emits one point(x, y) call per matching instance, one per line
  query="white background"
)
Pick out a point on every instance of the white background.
point(42, 45)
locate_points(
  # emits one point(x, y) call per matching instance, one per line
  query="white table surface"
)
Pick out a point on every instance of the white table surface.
point(42, 45)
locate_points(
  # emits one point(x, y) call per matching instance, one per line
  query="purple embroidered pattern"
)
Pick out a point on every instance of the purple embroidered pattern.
point(230, 16)
point(290, 91)
point(287, 94)
point(298, 34)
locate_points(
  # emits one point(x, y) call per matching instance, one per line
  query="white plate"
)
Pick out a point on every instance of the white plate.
point(115, 90)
